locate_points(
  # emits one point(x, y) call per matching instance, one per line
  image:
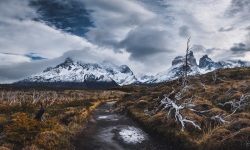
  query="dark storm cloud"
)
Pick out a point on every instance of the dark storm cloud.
point(184, 31)
point(143, 43)
point(112, 18)
point(240, 48)
point(68, 16)
point(238, 7)
point(247, 28)
point(226, 29)
point(126, 25)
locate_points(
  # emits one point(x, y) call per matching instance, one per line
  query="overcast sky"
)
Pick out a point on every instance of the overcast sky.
point(146, 35)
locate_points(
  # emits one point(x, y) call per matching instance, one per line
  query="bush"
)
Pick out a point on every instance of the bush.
point(48, 140)
point(21, 129)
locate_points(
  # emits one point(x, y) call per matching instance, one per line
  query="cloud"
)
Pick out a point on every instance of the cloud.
point(145, 42)
point(198, 48)
point(239, 48)
point(114, 19)
point(27, 36)
point(12, 71)
point(9, 59)
point(16, 9)
point(130, 27)
point(69, 16)
point(184, 31)
point(144, 34)
point(226, 29)
point(238, 7)
point(247, 28)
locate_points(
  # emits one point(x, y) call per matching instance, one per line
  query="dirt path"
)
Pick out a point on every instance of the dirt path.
point(111, 131)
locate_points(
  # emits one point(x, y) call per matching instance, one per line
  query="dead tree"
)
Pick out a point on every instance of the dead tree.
point(238, 105)
point(171, 105)
point(48, 99)
point(186, 65)
point(215, 77)
point(41, 111)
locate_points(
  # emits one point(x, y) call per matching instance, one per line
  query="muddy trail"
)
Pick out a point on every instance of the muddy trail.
point(108, 130)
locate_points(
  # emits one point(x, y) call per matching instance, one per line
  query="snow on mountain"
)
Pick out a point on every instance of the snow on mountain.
point(96, 75)
point(142, 78)
point(206, 64)
point(79, 72)
point(176, 70)
point(122, 75)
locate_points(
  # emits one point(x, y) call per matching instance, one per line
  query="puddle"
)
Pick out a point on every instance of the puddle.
point(108, 117)
point(132, 135)
point(112, 131)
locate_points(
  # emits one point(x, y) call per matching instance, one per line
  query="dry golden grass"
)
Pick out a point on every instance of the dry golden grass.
point(66, 114)
point(206, 95)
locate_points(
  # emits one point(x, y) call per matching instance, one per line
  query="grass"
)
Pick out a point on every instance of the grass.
point(66, 114)
point(206, 95)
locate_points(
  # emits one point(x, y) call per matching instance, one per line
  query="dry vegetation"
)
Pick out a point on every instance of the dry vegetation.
point(65, 113)
point(215, 110)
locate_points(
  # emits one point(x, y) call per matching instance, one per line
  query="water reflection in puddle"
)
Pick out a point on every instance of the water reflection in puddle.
point(111, 131)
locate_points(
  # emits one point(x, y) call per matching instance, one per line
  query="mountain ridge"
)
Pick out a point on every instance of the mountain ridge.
point(107, 75)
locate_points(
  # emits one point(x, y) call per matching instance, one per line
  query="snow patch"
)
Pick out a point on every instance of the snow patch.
point(108, 117)
point(132, 135)
point(111, 102)
point(102, 117)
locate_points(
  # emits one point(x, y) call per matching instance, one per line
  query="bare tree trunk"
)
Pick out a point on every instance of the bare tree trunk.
point(185, 65)
point(40, 112)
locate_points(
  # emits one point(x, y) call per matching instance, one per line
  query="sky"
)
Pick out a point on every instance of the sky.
point(146, 35)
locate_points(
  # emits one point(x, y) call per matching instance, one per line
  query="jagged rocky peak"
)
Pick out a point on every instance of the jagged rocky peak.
point(70, 71)
point(124, 69)
point(205, 61)
point(68, 61)
point(177, 60)
point(48, 69)
point(181, 59)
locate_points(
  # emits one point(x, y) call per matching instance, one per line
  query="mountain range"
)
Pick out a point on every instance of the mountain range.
point(84, 75)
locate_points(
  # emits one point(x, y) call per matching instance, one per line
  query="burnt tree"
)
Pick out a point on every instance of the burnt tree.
point(186, 65)
point(41, 111)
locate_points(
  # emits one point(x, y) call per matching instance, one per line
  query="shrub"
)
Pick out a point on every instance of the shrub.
point(21, 129)
point(48, 140)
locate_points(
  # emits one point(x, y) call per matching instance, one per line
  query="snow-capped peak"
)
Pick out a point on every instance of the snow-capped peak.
point(78, 71)
point(82, 72)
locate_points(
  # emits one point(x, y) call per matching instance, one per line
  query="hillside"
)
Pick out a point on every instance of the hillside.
point(211, 112)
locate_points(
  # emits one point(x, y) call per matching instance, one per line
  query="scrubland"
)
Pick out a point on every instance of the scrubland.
point(211, 112)
point(63, 114)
